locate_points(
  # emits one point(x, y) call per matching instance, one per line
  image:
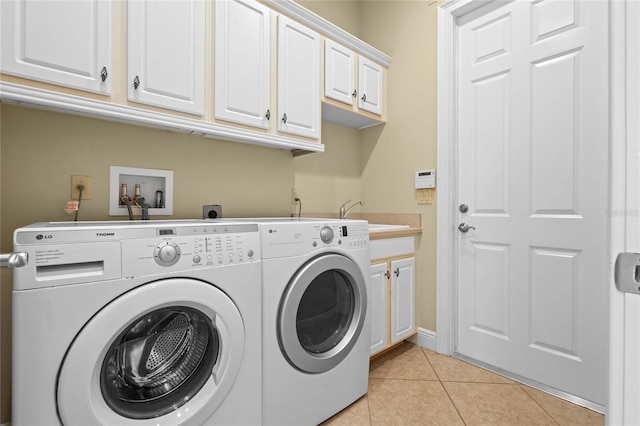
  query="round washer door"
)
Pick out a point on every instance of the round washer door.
point(322, 313)
point(167, 352)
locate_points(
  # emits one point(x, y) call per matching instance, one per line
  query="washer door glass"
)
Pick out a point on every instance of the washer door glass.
point(164, 353)
point(322, 313)
point(159, 362)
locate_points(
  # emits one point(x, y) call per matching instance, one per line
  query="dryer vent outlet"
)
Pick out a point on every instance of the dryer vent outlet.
point(212, 211)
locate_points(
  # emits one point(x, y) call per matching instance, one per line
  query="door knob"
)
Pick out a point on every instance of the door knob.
point(464, 227)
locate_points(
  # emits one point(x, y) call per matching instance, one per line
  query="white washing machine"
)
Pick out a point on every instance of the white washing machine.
point(137, 323)
point(316, 333)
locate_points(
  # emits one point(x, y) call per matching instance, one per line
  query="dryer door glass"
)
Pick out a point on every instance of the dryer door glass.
point(325, 312)
point(322, 313)
point(159, 362)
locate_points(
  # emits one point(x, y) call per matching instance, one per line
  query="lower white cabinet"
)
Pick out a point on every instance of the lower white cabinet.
point(402, 299)
point(378, 300)
point(391, 302)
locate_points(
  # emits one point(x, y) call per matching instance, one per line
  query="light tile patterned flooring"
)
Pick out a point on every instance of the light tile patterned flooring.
point(414, 386)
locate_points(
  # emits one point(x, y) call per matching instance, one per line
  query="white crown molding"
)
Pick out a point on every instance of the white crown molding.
point(326, 28)
point(30, 96)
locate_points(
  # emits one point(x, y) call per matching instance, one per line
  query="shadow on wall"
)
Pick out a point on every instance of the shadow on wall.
point(370, 138)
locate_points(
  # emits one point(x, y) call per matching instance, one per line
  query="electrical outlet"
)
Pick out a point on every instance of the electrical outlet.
point(294, 195)
point(86, 192)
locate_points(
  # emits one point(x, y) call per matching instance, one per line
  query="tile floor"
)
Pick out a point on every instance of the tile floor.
point(414, 386)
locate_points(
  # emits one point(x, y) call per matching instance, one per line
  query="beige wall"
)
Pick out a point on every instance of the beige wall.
point(40, 150)
point(405, 30)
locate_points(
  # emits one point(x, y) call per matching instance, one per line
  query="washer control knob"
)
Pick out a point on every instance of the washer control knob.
point(250, 253)
point(167, 253)
point(326, 234)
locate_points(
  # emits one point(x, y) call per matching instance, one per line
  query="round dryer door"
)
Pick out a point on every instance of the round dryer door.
point(322, 313)
point(167, 352)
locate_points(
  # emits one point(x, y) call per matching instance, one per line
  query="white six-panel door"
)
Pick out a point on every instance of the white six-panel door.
point(533, 160)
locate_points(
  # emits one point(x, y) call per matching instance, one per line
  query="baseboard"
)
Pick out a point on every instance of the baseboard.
point(425, 339)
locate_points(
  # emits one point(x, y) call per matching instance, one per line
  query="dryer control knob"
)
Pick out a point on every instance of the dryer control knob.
point(326, 234)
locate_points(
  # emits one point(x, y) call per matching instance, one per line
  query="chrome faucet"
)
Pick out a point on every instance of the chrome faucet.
point(344, 212)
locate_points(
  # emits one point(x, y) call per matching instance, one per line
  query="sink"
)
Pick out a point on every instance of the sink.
point(373, 227)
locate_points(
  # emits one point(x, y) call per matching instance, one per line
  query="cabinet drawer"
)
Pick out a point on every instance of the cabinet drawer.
point(391, 247)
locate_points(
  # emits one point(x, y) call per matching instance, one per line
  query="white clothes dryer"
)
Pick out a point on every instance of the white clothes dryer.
point(316, 274)
point(137, 323)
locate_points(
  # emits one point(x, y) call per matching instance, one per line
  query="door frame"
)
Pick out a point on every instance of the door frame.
point(623, 179)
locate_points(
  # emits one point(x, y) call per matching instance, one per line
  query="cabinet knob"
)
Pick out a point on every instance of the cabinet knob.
point(397, 272)
point(104, 74)
point(268, 115)
point(364, 98)
point(355, 93)
point(136, 82)
point(387, 274)
point(284, 118)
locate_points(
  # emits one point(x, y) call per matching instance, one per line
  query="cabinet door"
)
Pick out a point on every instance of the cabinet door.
point(298, 79)
point(61, 42)
point(339, 72)
point(402, 299)
point(370, 79)
point(242, 62)
point(166, 54)
point(378, 307)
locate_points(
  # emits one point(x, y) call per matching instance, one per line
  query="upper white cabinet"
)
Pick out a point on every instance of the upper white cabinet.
point(67, 43)
point(166, 54)
point(339, 72)
point(353, 87)
point(370, 86)
point(298, 79)
point(242, 62)
point(199, 66)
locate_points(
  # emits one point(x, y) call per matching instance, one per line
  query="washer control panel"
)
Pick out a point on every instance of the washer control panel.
point(201, 247)
point(63, 253)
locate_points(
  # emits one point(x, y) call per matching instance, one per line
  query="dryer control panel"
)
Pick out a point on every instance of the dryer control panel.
point(283, 239)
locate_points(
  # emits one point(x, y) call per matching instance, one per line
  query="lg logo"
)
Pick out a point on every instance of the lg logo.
point(43, 237)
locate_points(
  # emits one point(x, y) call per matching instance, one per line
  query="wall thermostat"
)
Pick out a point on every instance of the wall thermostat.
point(425, 179)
